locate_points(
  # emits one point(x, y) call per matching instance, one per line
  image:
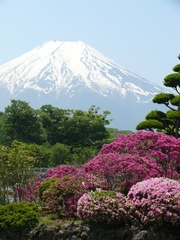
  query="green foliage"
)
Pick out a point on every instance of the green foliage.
point(4, 137)
point(73, 127)
point(176, 68)
point(81, 155)
point(175, 101)
point(155, 120)
point(53, 121)
point(4, 191)
point(149, 124)
point(21, 123)
point(34, 151)
point(18, 217)
point(114, 132)
point(52, 156)
point(172, 80)
point(56, 136)
point(173, 114)
point(104, 193)
point(60, 154)
point(157, 115)
point(162, 98)
point(16, 167)
point(45, 186)
point(86, 129)
point(45, 156)
point(168, 122)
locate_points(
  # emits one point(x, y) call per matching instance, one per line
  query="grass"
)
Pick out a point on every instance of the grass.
point(51, 220)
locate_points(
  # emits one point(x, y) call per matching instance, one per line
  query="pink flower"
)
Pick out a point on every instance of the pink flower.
point(157, 199)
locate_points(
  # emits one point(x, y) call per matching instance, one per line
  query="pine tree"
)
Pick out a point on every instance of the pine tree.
point(168, 122)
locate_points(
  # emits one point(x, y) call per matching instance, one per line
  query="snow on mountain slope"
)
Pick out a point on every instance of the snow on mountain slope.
point(64, 65)
point(57, 72)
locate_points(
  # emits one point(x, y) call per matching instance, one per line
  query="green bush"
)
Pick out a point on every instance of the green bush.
point(18, 217)
point(45, 186)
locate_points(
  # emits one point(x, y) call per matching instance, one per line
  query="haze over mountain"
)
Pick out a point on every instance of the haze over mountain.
point(73, 75)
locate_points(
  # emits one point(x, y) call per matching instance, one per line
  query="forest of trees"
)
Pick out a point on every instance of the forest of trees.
point(55, 136)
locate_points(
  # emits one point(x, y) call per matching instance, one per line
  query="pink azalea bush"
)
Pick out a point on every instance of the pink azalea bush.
point(63, 187)
point(102, 207)
point(123, 170)
point(121, 165)
point(156, 201)
point(164, 149)
point(70, 170)
point(29, 191)
point(91, 180)
point(62, 195)
point(61, 171)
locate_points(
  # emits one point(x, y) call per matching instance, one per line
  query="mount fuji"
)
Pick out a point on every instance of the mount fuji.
point(73, 75)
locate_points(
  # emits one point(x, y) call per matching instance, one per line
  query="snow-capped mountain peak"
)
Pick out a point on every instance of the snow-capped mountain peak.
point(57, 65)
point(63, 69)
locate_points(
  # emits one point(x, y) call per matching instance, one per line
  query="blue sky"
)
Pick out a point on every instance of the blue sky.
point(143, 36)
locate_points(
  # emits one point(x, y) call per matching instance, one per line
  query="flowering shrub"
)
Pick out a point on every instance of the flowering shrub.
point(61, 171)
point(62, 196)
point(29, 191)
point(156, 201)
point(91, 181)
point(122, 169)
point(102, 207)
point(164, 149)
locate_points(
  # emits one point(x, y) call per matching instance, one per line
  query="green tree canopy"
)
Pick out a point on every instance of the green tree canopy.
point(87, 128)
point(55, 134)
point(16, 167)
point(74, 127)
point(53, 121)
point(21, 122)
point(168, 122)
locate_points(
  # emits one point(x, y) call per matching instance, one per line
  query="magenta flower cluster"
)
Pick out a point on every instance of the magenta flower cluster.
point(123, 170)
point(156, 201)
point(63, 195)
point(61, 171)
point(164, 149)
point(91, 181)
point(28, 192)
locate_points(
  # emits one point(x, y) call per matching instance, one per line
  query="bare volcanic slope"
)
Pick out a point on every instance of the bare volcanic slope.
point(74, 75)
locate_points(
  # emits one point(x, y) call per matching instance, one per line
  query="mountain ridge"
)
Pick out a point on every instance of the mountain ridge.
point(75, 75)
